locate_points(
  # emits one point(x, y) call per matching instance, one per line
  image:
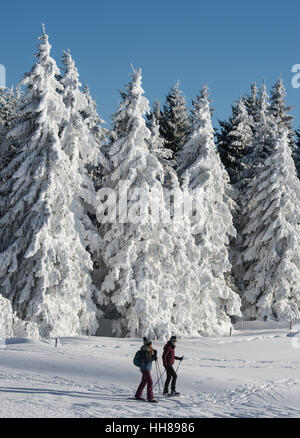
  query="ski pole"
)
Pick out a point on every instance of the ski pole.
point(159, 370)
point(179, 364)
point(157, 376)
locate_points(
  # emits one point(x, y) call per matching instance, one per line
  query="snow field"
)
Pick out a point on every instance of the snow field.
point(254, 373)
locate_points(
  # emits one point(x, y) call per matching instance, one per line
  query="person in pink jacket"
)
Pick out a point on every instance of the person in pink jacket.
point(169, 358)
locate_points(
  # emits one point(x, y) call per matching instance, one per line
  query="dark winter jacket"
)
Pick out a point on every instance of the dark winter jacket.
point(146, 358)
point(168, 356)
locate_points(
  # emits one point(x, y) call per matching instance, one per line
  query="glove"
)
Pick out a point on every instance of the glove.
point(181, 358)
point(155, 355)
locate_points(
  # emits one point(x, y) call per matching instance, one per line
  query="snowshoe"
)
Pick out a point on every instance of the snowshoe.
point(174, 394)
point(153, 400)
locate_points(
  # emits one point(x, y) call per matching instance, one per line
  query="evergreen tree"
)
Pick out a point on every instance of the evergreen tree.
point(280, 110)
point(9, 103)
point(283, 119)
point(81, 140)
point(204, 177)
point(174, 124)
point(139, 285)
point(237, 144)
point(263, 131)
point(44, 269)
point(156, 142)
point(222, 140)
point(99, 136)
point(120, 125)
point(296, 152)
point(155, 115)
point(269, 261)
point(251, 101)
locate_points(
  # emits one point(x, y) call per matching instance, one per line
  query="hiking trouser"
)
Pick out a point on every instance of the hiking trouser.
point(146, 380)
point(171, 374)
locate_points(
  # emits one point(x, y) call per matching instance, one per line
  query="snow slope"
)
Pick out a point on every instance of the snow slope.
point(254, 373)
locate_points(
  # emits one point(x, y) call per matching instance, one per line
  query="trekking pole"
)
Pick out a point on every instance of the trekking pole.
point(159, 379)
point(179, 364)
point(159, 371)
point(157, 376)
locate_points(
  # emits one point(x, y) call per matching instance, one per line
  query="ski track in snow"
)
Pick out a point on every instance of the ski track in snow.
point(220, 377)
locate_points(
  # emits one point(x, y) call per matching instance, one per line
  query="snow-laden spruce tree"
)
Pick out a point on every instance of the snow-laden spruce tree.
point(238, 145)
point(263, 129)
point(270, 259)
point(283, 118)
point(279, 109)
point(99, 136)
point(9, 103)
point(188, 293)
point(296, 151)
point(251, 101)
point(174, 123)
point(156, 143)
point(44, 269)
point(140, 282)
point(9, 100)
point(204, 177)
point(80, 141)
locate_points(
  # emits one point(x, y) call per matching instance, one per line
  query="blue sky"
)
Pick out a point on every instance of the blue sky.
point(226, 44)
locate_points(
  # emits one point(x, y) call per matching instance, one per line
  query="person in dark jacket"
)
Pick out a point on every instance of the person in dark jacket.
point(168, 361)
point(148, 356)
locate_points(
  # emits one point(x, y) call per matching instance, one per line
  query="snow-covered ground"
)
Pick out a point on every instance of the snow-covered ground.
point(254, 373)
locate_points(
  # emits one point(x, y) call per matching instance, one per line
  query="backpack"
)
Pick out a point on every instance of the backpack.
point(137, 360)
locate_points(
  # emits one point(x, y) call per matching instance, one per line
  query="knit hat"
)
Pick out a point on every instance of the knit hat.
point(173, 339)
point(146, 341)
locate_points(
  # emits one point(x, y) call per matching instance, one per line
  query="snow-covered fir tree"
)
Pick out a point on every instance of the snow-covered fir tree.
point(296, 152)
point(197, 318)
point(99, 136)
point(238, 144)
point(9, 103)
point(280, 111)
point(204, 177)
point(45, 271)
point(154, 115)
point(283, 118)
point(263, 129)
point(222, 138)
point(81, 141)
point(174, 123)
point(269, 262)
point(251, 101)
point(156, 143)
point(140, 284)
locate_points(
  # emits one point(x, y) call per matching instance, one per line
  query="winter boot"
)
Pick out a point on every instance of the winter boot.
point(153, 400)
point(174, 392)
